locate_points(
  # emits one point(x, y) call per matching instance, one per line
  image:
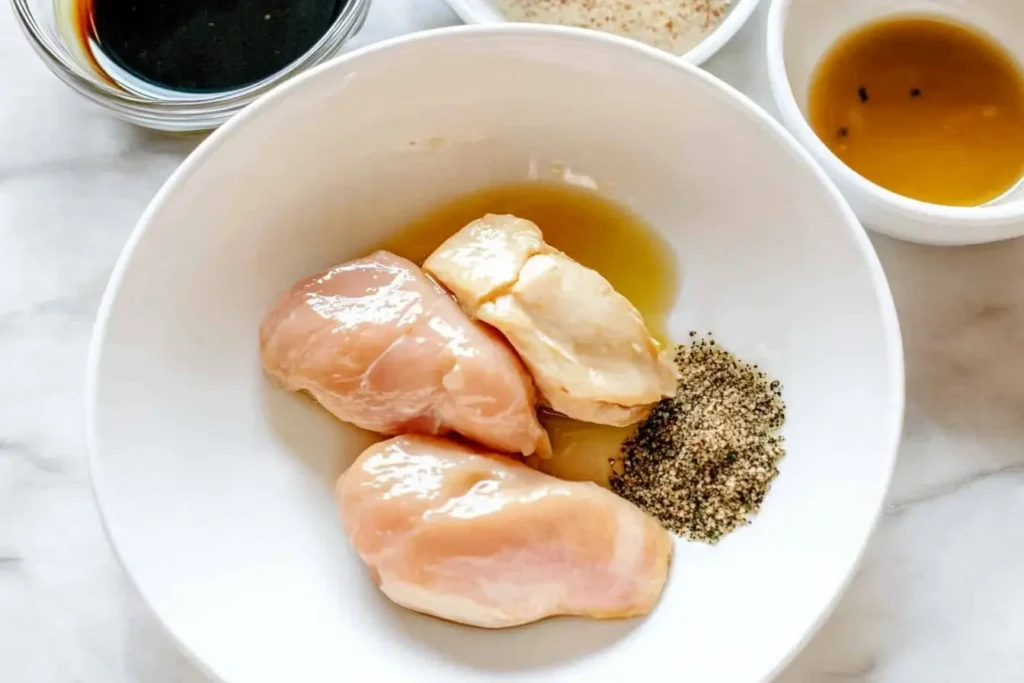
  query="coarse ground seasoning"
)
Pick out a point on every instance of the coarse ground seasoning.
point(703, 460)
point(672, 25)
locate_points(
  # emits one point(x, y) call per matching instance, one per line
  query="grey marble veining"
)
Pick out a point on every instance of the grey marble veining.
point(939, 596)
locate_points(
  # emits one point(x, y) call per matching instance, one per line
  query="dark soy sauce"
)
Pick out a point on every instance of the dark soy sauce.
point(201, 46)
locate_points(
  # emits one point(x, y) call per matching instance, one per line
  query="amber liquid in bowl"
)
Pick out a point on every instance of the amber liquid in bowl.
point(925, 108)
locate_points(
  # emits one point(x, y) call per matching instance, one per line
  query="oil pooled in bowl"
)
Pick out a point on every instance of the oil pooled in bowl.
point(598, 233)
point(158, 47)
point(928, 109)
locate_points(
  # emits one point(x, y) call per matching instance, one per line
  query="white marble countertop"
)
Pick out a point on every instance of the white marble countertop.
point(939, 597)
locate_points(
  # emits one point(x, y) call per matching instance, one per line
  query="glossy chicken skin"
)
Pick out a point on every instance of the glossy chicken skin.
point(380, 345)
point(484, 540)
point(586, 345)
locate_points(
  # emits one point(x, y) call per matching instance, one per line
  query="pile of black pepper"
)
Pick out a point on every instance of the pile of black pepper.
point(703, 460)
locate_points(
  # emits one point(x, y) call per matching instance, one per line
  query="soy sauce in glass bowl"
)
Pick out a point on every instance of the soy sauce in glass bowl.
point(184, 65)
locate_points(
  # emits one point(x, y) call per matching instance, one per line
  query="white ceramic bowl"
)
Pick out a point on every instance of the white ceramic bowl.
point(216, 488)
point(800, 32)
point(487, 12)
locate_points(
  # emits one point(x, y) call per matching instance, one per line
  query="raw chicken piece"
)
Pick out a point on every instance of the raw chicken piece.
point(587, 346)
point(380, 345)
point(484, 540)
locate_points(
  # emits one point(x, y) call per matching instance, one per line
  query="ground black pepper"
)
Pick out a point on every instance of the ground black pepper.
point(702, 461)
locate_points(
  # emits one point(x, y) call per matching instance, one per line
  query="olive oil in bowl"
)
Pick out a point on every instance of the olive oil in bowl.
point(923, 107)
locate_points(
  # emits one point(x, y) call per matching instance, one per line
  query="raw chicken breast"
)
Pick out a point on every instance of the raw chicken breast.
point(484, 540)
point(587, 346)
point(380, 345)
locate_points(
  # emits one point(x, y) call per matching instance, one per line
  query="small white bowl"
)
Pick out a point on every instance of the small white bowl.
point(216, 487)
point(800, 32)
point(487, 12)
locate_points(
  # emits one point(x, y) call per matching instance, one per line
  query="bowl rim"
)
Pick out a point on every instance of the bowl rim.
point(1003, 221)
point(737, 16)
point(894, 357)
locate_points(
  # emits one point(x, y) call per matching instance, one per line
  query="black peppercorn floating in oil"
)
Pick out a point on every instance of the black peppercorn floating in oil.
point(202, 46)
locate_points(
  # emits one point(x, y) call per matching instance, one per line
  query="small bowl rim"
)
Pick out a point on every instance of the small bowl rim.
point(1004, 221)
point(738, 14)
point(192, 114)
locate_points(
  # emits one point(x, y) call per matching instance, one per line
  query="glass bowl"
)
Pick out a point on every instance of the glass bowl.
point(50, 26)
